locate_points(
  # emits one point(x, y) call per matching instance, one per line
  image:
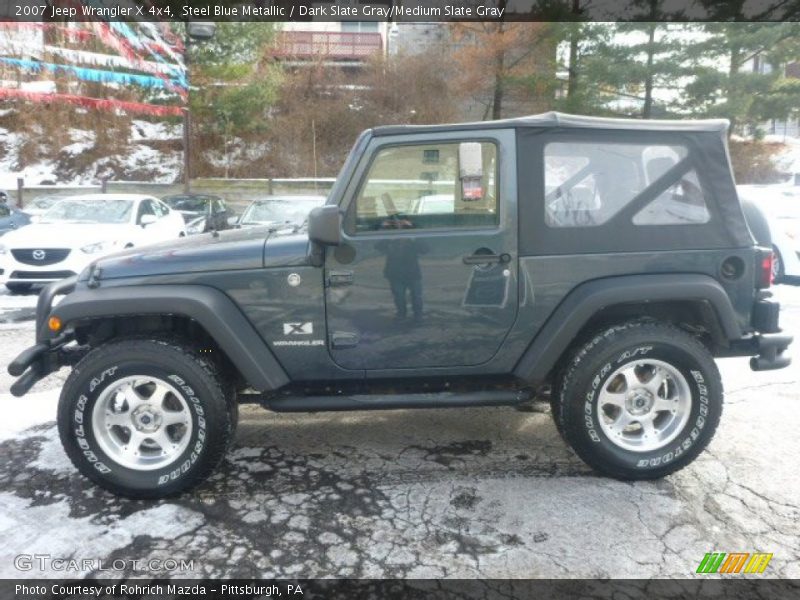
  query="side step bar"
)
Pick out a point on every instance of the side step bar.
point(395, 401)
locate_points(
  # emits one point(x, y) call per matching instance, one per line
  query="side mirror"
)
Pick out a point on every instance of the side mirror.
point(325, 225)
point(146, 220)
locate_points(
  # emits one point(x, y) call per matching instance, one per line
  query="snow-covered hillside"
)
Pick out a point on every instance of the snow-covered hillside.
point(153, 154)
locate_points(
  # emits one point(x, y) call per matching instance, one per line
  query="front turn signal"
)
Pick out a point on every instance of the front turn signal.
point(54, 323)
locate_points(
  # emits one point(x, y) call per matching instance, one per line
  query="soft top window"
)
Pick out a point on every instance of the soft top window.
point(588, 183)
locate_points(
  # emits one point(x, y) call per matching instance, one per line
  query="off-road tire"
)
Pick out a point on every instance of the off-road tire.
point(173, 361)
point(576, 408)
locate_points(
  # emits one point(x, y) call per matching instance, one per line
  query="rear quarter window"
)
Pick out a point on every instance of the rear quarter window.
point(586, 184)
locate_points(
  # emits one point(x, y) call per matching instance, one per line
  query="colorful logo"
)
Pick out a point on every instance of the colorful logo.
point(734, 562)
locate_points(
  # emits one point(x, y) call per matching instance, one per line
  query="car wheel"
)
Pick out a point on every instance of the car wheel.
point(144, 418)
point(778, 270)
point(640, 400)
point(19, 288)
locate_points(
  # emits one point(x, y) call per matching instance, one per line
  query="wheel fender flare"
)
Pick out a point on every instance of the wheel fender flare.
point(587, 299)
point(212, 309)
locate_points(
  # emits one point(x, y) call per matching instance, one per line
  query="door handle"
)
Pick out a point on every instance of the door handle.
point(340, 278)
point(486, 259)
point(344, 339)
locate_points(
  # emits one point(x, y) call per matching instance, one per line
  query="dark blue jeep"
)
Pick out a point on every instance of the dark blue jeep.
point(602, 262)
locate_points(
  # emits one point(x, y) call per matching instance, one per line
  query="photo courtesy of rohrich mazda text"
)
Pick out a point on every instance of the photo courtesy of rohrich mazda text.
point(239, 257)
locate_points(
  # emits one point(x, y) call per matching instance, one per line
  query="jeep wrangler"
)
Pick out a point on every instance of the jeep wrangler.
point(602, 262)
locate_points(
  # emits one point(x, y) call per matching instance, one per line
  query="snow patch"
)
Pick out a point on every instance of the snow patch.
point(50, 529)
point(37, 408)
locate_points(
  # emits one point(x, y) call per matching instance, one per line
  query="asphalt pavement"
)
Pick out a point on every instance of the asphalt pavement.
point(460, 493)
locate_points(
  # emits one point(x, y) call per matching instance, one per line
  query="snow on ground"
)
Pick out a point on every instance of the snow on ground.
point(161, 166)
point(40, 408)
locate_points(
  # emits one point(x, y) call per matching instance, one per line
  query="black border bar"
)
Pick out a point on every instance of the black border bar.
point(401, 10)
point(736, 586)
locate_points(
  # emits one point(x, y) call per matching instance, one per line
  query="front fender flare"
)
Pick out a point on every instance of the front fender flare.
point(587, 299)
point(212, 309)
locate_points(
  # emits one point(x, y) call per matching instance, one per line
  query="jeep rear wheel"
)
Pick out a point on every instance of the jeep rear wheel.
point(640, 400)
point(144, 418)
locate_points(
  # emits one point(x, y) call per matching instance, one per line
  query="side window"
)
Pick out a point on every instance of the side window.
point(161, 209)
point(587, 184)
point(145, 208)
point(425, 187)
point(683, 203)
point(4, 211)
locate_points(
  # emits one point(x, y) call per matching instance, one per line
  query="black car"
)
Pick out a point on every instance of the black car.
point(201, 212)
point(600, 263)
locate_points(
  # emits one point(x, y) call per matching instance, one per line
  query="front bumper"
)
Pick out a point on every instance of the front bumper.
point(17, 272)
point(49, 353)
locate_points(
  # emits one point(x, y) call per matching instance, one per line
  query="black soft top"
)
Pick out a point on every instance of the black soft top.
point(563, 120)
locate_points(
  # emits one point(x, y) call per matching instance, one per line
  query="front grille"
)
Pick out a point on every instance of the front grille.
point(40, 256)
point(55, 275)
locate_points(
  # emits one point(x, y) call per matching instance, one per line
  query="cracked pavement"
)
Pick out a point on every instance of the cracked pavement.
point(459, 493)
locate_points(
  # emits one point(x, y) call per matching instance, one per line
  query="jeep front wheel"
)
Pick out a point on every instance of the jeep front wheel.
point(640, 400)
point(144, 418)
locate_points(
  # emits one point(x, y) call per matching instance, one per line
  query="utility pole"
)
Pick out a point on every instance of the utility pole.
point(198, 31)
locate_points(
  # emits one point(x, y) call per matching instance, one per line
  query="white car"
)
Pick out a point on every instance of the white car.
point(77, 230)
point(781, 206)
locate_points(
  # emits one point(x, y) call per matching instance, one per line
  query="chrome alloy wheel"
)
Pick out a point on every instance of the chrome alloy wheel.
point(142, 422)
point(644, 405)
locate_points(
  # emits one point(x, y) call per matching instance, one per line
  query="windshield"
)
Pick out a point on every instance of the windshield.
point(89, 211)
point(187, 203)
point(43, 202)
point(285, 210)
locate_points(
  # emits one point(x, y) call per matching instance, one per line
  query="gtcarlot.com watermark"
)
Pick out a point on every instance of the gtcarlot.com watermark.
point(48, 562)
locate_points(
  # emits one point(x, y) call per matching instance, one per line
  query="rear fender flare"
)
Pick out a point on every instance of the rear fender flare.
point(587, 299)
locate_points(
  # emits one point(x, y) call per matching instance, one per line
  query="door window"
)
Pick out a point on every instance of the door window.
point(161, 209)
point(425, 187)
point(145, 208)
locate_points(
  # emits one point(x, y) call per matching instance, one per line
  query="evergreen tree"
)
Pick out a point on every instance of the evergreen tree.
point(739, 72)
point(234, 84)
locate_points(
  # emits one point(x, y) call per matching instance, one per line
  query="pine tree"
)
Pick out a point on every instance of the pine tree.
point(739, 72)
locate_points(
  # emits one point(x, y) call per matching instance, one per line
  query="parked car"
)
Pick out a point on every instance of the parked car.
point(77, 230)
point(781, 206)
point(560, 270)
point(12, 218)
point(280, 213)
point(201, 212)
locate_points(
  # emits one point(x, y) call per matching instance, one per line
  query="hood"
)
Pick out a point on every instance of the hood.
point(61, 235)
point(230, 250)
